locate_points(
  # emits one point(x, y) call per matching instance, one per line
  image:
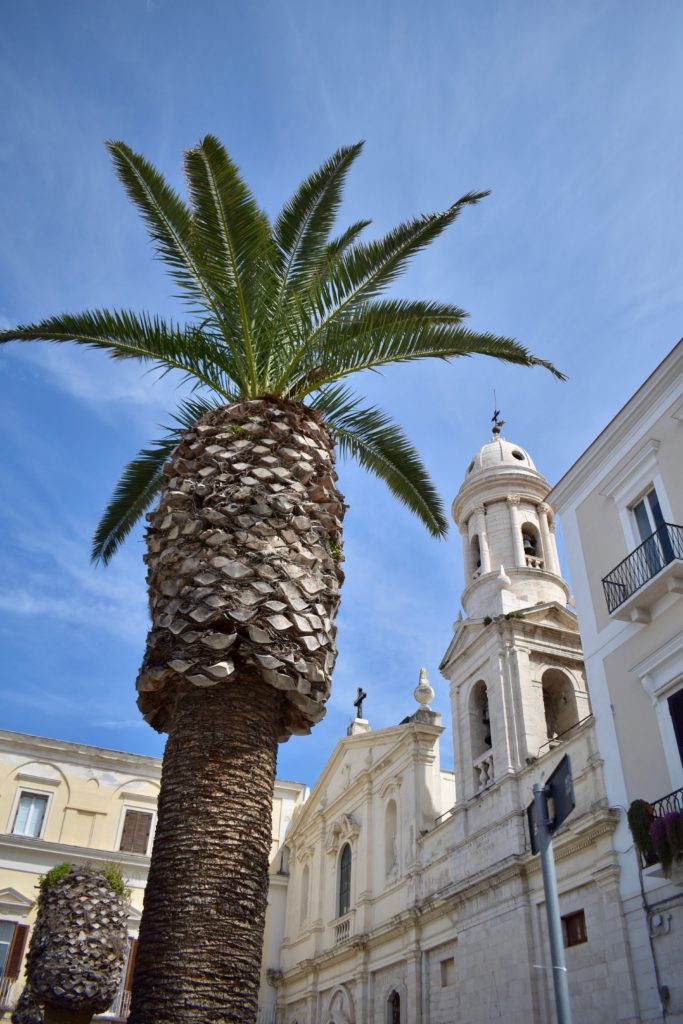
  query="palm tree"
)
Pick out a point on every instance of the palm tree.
point(244, 546)
point(78, 945)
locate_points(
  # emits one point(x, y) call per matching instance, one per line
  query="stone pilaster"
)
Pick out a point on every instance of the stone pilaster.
point(517, 544)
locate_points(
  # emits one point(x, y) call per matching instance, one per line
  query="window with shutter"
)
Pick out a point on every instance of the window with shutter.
point(130, 966)
point(137, 826)
point(13, 949)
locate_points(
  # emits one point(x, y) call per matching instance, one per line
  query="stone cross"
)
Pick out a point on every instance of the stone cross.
point(358, 702)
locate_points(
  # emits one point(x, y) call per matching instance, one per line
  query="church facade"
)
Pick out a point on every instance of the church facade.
point(414, 897)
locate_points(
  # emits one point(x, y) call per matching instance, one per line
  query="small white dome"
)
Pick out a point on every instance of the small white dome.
point(499, 453)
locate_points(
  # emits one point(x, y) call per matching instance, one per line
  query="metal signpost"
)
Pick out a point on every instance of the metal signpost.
point(552, 803)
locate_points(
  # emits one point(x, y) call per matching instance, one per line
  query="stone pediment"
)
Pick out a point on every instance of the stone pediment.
point(14, 903)
point(550, 614)
point(353, 758)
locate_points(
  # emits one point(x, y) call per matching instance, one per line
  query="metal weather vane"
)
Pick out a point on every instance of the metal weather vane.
point(498, 424)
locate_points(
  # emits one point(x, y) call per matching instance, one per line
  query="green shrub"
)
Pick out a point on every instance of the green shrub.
point(111, 872)
point(55, 874)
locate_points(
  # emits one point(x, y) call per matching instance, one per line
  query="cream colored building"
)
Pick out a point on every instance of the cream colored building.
point(69, 802)
point(414, 897)
point(621, 506)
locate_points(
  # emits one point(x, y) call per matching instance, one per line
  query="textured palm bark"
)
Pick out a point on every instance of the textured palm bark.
point(243, 575)
point(243, 561)
point(201, 933)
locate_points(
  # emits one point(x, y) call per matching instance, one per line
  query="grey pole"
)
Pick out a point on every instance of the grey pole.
point(552, 905)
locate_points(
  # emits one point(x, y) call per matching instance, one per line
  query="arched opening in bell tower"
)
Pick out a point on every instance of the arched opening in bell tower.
point(480, 722)
point(559, 703)
point(531, 544)
point(475, 557)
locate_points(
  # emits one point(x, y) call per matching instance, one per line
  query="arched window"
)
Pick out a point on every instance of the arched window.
point(390, 838)
point(394, 1009)
point(559, 703)
point(344, 901)
point(305, 885)
point(480, 723)
point(475, 556)
point(531, 543)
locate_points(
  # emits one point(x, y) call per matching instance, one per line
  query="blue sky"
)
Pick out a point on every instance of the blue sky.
point(572, 113)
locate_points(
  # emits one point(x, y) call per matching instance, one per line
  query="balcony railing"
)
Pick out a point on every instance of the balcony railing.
point(7, 999)
point(343, 928)
point(663, 831)
point(483, 770)
point(661, 548)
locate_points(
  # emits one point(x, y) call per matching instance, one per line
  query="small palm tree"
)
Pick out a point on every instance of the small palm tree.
point(78, 944)
point(244, 546)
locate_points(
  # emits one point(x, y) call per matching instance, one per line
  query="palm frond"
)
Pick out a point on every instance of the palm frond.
point(169, 221)
point(398, 330)
point(338, 245)
point(381, 447)
point(364, 271)
point(300, 236)
point(126, 335)
point(232, 233)
point(302, 229)
point(140, 482)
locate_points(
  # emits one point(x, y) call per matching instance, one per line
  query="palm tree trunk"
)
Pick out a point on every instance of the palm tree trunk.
point(201, 934)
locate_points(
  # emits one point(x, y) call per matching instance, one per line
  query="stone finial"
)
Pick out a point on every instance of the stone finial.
point(423, 693)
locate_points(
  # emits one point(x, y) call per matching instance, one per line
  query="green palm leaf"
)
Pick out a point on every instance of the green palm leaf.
point(302, 229)
point(364, 271)
point(140, 482)
point(302, 252)
point(233, 235)
point(126, 335)
point(381, 447)
point(399, 330)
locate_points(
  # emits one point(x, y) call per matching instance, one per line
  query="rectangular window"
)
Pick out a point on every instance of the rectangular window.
point(447, 972)
point(12, 945)
point(137, 827)
point(574, 929)
point(6, 936)
point(30, 816)
point(676, 711)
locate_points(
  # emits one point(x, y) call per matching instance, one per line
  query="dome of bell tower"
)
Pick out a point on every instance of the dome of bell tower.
point(508, 532)
point(499, 453)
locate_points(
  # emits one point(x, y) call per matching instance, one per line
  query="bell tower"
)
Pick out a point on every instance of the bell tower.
point(508, 533)
point(515, 662)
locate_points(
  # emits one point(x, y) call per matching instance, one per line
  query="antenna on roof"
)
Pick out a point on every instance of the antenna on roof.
point(498, 424)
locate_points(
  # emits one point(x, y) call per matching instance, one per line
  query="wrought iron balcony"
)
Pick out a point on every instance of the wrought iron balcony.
point(662, 549)
point(659, 838)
